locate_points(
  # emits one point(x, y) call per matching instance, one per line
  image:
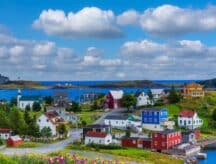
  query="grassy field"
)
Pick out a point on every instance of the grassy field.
point(139, 155)
point(90, 117)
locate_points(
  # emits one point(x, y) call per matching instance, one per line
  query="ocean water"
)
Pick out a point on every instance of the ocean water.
point(74, 93)
point(211, 157)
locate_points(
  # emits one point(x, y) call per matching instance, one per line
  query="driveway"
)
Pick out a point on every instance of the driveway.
point(48, 148)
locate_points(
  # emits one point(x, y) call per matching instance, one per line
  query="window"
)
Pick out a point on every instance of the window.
point(180, 121)
point(99, 141)
point(155, 142)
point(189, 122)
point(155, 135)
point(39, 120)
point(89, 140)
point(155, 120)
point(134, 141)
point(150, 113)
point(47, 120)
point(116, 122)
point(163, 144)
point(155, 113)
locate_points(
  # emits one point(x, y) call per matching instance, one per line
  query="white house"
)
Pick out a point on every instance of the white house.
point(67, 116)
point(113, 99)
point(143, 99)
point(122, 121)
point(23, 101)
point(50, 119)
point(189, 119)
point(5, 133)
point(101, 138)
point(157, 93)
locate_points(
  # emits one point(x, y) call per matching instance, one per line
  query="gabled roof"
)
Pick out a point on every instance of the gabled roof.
point(116, 94)
point(193, 85)
point(5, 130)
point(157, 91)
point(54, 117)
point(97, 126)
point(96, 134)
point(30, 98)
point(186, 113)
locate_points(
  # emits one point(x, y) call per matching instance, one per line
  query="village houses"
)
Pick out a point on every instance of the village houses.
point(143, 99)
point(189, 119)
point(24, 101)
point(5, 133)
point(113, 99)
point(193, 90)
point(95, 137)
point(50, 119)
point(156, 119)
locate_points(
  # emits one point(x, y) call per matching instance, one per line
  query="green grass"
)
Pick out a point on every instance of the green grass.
point(90, 116)
point(140, 155)
point(173, 109)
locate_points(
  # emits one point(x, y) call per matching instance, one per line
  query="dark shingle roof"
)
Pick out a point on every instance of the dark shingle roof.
point(153, 109)
point(168, 131)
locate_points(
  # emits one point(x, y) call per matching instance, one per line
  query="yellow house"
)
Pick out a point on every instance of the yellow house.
point(193, 90)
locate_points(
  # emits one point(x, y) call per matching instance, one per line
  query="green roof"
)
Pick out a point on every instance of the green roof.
point(30, 98)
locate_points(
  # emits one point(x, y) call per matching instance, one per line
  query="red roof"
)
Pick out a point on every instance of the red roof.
point(4, 130)
point(96, 134)
point(186, 113)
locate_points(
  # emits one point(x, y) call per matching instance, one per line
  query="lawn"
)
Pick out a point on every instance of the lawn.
point(134, 154)
point(90, 116)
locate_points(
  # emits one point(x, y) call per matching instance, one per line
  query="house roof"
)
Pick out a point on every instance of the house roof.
point(30, 98)
point(157, 91)
point(121, 117)
point(54, 117)
point(96, 134)
point(97, 126)
point(154, 109)
point(193, 85)
point(116, 94)
point(5, 130)
point(186, 113)
point(15, 138)
point(168, 131)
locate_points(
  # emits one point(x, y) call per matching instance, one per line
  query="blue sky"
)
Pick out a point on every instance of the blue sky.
point(155, 40)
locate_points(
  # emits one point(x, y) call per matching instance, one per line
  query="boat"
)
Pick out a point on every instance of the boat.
point(201, 156)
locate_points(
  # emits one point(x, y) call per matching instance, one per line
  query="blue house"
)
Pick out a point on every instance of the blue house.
point(154, 118)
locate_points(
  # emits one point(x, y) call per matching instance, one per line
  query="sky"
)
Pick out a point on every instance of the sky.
point(108, 39)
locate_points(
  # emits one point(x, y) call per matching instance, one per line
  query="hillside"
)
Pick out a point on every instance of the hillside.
point(134, 83)
point(21, 84)
point(211, 83)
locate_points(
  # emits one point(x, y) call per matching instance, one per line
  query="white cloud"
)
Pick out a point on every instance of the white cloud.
point(43, 48)
point(128, 17)
point(88, 22)
point(171, 20)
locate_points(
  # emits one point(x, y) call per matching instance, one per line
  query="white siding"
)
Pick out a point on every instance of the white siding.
point(143, 99)
point(23, 104)
point(121, 123)
point(190, 123)
point(43, 121)
point(5, 136)
point(96, 140)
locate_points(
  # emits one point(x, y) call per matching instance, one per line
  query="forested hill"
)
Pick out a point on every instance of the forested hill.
point(208, 83)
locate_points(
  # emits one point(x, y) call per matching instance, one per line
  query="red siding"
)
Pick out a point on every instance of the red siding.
point(197, 134)
point(165, 141)
point(147, 144)
point(110, 102)
point(128, 142)
point(10, 142)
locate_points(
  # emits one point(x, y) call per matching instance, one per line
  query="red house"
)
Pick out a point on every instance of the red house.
point(113, 99)
point(14, 141)
point(136, 142)
point(165, 139)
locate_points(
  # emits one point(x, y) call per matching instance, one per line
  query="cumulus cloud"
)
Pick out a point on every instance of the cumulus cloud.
point(128, 17)
point(86, 23)
point(169, 20)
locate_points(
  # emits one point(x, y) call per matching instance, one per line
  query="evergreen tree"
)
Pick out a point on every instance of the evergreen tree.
point(75, 107)
point(46, 132)
point(4, 121)
point(214, 115)
point(174, 96)
point(27, 117)
point(17, 122)
point(62, 130)
point(36, 107)
point(150, 95)
point(27, 108)
point(48, 100)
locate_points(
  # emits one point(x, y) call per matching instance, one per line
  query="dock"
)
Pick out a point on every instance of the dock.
point(205, 142)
